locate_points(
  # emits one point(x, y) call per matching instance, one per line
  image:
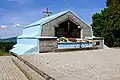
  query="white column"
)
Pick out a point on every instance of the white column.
point(82, 33)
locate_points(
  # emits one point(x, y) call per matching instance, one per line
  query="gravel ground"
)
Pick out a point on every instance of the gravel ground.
point(8, 70)
point(81, 65)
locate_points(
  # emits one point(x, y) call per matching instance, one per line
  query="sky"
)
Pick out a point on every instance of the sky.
point(15, 14)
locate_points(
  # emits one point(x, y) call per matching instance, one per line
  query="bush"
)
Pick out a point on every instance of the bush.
point(2, 53)
point(6, 46)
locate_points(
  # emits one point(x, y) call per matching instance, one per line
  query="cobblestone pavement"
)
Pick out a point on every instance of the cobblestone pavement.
point(9, 71)
point(80, 65)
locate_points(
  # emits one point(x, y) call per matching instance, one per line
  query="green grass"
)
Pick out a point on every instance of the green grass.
point(2, 53)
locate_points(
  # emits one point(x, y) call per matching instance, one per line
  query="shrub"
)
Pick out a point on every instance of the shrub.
point(6, 46)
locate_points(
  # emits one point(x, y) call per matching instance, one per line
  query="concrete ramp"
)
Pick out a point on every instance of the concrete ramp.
point(105, 47)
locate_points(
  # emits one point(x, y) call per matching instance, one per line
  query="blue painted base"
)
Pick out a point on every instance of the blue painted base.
point(65, 45)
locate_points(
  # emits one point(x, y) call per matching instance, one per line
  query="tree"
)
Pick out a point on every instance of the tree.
point(107, 23)
point(99, 22)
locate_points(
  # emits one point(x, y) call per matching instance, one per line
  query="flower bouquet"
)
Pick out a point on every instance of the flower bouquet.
point(72, 39)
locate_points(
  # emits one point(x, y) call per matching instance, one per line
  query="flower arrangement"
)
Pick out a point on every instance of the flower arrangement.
point(72, 39)
point(63, 39)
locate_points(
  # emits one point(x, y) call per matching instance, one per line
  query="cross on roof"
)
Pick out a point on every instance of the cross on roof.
point(47, 12)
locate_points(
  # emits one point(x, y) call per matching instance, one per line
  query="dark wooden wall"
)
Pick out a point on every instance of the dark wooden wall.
point(48, 44)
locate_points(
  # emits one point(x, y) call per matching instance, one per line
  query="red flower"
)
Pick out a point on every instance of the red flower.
point(72, 39)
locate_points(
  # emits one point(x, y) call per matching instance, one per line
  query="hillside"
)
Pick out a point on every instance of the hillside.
point(11, 39)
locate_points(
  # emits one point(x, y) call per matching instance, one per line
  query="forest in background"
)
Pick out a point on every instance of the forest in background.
point(5, 47)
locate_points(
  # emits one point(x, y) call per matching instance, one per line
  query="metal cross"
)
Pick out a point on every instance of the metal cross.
point(47, 13)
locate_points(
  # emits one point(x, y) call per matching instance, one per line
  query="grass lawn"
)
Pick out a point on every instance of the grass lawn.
point(2, 53)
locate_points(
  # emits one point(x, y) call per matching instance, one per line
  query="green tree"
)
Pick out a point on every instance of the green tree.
point(107, 23)
point(99, 22)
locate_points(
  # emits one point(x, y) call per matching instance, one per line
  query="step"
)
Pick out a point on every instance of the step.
point(49, 73)
point(30, 73)
point(75, 49)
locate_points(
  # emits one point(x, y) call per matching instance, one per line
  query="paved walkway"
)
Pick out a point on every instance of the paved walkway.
point(79, 65)
point(9, 71)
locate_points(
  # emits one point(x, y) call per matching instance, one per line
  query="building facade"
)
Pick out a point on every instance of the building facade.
point(42, 35)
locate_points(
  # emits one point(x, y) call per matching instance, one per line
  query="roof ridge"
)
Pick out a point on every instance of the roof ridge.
point(46, 19)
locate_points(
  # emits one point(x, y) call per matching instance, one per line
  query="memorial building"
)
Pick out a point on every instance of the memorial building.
point(64, 30)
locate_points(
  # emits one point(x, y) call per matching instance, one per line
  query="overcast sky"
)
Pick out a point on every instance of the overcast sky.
point(15, 14)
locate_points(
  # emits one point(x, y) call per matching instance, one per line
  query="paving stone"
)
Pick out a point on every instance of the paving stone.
point(79, 65)
point(30, 73)
point(9, 71)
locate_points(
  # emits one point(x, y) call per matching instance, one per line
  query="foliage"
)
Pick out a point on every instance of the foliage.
point(6, 46)
point(107, 23)
point(99, 21)
point(2, 52)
